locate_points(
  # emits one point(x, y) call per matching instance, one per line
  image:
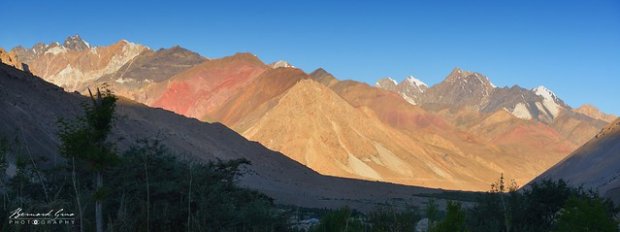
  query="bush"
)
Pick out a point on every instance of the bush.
point(390, 219)
point(586, 214)
point(540, 207)
point(341, 220)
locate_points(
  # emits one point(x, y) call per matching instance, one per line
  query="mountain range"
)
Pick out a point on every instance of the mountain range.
point(461, 133)
point(33, 107)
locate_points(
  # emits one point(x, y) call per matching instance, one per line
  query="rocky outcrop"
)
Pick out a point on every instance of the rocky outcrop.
point(11, 59)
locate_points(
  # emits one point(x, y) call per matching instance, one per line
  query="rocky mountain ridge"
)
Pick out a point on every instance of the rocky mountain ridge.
point(464, 131)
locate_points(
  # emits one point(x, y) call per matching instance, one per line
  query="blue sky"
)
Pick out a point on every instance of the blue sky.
point(572, 47)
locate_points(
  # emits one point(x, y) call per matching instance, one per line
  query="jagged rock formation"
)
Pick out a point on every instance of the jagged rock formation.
point(10, 59)
point(74, 64)
point(411, 89)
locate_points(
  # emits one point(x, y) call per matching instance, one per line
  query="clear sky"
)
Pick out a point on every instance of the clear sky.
point(572, 47)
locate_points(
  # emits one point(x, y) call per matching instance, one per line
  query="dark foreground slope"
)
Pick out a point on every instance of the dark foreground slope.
point(30, 108)
point(595, 165)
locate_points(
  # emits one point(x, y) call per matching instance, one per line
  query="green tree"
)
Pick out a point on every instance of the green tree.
point(340, 220)
point(584, 215)
point(454, 220)
point(86, 139)
point(432, 212)
point(216, 202)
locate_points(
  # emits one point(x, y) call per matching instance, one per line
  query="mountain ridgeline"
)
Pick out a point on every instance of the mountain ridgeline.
point(458, 134)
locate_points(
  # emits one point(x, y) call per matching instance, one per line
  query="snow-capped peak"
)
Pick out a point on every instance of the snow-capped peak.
point(392, 80)
point(550, 101)
point(281, 64)
point(386, 83)
point(414, 81)
point(545, 93)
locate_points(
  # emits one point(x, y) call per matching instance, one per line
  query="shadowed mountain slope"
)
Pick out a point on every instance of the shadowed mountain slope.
point(30, 108)
point(595, 165)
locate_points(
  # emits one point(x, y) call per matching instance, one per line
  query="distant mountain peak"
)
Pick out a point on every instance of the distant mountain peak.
point(323, 77)
point(461, 88)
point(545, 93)
point(593, 112)
point(321, 71)
point(389, 79)
point(392, 80)
point(75, 42)
point(410, 88)
point(243, 56)
point(124, 41)
point(281, 64)
point(551, 101)
point(457, 70)
point(387, 83)
point(414, 81)
point(459, 75)
point(176, 49)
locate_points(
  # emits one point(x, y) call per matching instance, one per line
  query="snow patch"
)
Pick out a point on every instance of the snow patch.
point(414, 81)
point(392, 80)
point(56, 50)
point(408, 99)
point(545, 93)
point(382, 80)
point(281, 64)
